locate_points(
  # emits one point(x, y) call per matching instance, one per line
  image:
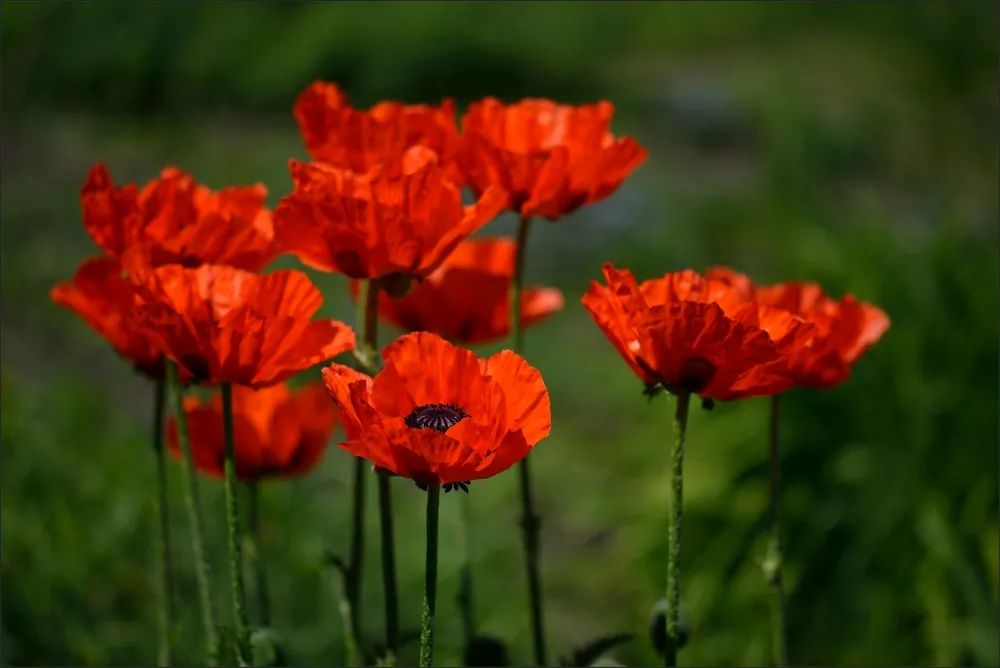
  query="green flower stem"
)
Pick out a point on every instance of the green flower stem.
point(202, 569)
point(530, 522)
point(674, 530)
point(254, 534)
point(243, 652)
point(352, 569)
point(465, 605)
point(166, 612)
point(773, 560)
point(430, 578)
point(370, 338)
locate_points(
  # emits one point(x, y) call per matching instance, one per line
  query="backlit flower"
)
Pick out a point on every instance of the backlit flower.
point(467, 299)
point(175, 220)
point(437, 414)
point(695, 335)
point(399, 219)
point(338, 134)
point(277, 432)
point(549, 158)
point(845, 328)
point(225, 325)
point(101, 295)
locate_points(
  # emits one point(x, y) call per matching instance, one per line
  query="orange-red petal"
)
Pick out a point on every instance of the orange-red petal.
point(104, 299)
point(549, 158)
point(277, 432)
point(467, 298)
point(500, 409)
point(397, 219)
point(338, 134)
point(225, 325)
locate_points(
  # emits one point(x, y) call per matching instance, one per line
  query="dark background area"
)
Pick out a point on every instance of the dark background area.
point(854, 144)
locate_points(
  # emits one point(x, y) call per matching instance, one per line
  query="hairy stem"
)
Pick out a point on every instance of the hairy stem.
point(243, 652)
point(530, 522)
point(370, 338)
point(430, 578)
point(352, 570)
point(203, 571)
point(674, 531)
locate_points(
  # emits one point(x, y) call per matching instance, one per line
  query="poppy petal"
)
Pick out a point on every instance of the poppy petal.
point(338, 379)
point(528, 405)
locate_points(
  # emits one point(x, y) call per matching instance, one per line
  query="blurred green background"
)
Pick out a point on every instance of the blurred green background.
point(853, 144)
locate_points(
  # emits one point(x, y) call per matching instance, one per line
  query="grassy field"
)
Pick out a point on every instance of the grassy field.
point(853, 146)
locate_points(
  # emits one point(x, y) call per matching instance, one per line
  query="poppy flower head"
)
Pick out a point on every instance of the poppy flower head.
point(179, 221)
point(437, 414)
point(675, 332)
point(101, 295)
point(225, 325)
point(846, 329)
point(338, 134)
point(402, 218)
point(467, 298)
point(278, 432)
point(549, 158)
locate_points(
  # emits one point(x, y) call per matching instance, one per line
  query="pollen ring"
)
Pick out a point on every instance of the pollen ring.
point(439, 417)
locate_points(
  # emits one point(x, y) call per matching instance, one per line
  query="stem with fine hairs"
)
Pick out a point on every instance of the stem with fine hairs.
point(773, 560)
point(370, 336)
point(203, 571)
point(263, 599)
point(674, 531)
point(243, 651)
point(430, 578)
point(530, 522)
point(351, 590)
point(350, 603)
point(166, 611)
point(370, 342)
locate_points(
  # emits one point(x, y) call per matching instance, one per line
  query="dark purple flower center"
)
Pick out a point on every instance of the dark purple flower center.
point(439, 417)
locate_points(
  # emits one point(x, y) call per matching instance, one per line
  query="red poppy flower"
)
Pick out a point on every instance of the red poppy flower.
point(175, 220)
point(225, 325)
point(845, 328)
point(399, 219)
point(101, 295)
point(695, 335)
point(277, 432)
point(467, 299)
point(550, 158)
point(336, 133)
point(437, 414)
